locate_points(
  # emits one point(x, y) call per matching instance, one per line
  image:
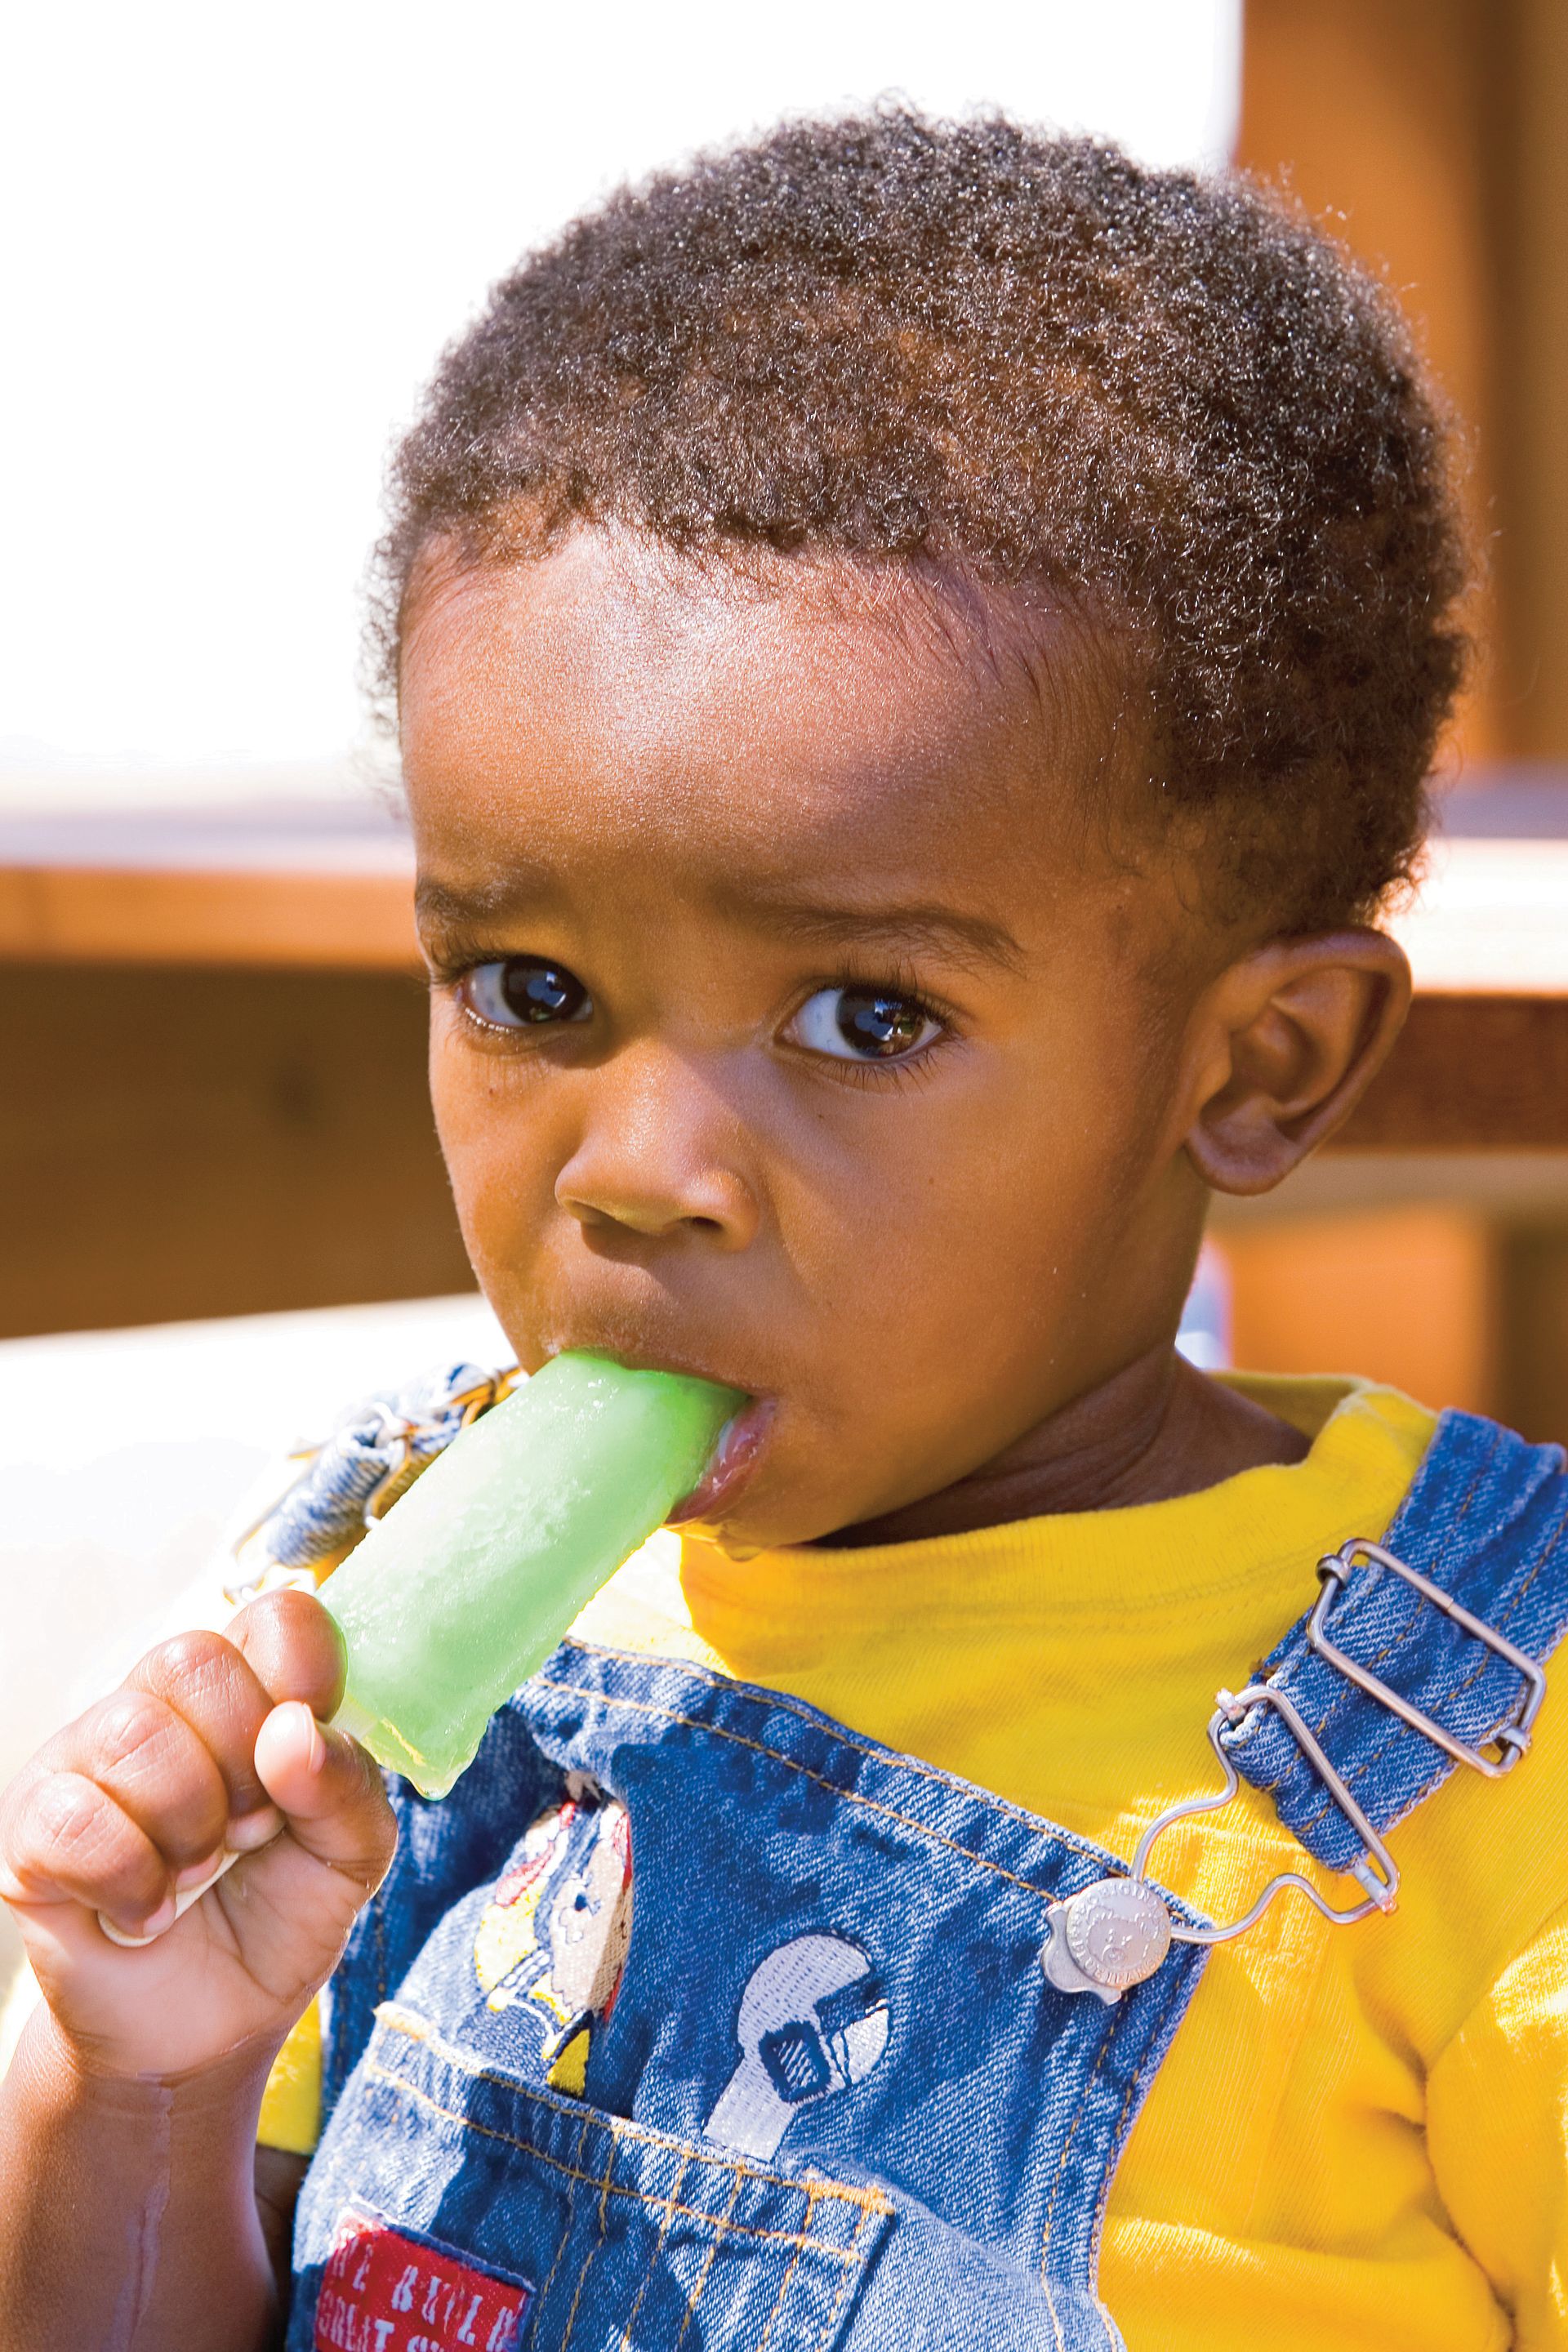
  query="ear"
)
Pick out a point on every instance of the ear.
point(1283, 1046)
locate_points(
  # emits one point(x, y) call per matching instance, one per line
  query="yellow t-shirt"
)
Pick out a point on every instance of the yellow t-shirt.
point(1358, 2135)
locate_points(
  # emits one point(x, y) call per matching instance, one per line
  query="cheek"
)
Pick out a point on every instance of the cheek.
point(972, 1205)
point(496, 1138)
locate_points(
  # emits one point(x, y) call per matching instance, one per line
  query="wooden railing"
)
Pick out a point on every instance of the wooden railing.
point(212, 1058)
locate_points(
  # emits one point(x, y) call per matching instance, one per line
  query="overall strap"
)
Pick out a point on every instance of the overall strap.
point(1485, 1527)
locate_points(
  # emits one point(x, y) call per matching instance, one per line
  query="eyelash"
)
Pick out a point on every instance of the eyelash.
point(907, 1069)
point(912, 1070)
point(904, 1069)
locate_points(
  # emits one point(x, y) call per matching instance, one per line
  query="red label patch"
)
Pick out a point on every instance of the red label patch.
point(386, 2290)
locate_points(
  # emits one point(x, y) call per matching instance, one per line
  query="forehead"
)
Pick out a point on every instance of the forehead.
point(787, 715)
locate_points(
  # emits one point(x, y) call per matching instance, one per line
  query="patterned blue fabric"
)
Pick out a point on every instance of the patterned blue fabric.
point(1486, 1518)
point(834, 2092)
point(373, 1452)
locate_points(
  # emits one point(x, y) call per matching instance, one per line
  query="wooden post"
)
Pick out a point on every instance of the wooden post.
point(1430, 135)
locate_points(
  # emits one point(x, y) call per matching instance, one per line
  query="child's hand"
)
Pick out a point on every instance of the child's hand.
point(211, 1743)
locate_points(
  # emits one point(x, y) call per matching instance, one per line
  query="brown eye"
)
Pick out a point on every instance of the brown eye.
point(863, 1024)
point(524, 993)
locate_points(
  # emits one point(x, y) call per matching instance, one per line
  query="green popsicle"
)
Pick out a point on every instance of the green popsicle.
point(469, 1582)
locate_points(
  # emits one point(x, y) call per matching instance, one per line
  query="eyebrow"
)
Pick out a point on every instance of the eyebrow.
point(963, 938)
point(951, 931)
point(437, 903)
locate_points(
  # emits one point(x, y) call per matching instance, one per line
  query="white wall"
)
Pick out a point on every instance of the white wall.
point(233, 239)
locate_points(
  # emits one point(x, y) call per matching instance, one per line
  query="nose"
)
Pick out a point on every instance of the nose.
point(658, 1154)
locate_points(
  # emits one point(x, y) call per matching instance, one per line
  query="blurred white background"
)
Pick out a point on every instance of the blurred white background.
point(236, 240)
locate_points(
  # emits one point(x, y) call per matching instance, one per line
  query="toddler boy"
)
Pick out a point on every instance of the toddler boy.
point(916, 651)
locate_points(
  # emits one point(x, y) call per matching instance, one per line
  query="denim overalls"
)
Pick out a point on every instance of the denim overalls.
point(800, 2080)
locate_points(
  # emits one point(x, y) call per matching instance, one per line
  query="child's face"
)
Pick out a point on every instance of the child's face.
point(790, 1026)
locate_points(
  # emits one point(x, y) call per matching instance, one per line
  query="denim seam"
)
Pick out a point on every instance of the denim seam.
point(1400, 1732)
point(597, 2247)
point(626, 2343)
point(412, 2027)
point(1116, 2023)
point(849, 1796)
point(852, 2269)
point(873, 1752)
point(1346, 1690)
point(790, 2268)
point(565, 2227)
point(1107, 2176)
point(711, 2256)
point(721, 2228)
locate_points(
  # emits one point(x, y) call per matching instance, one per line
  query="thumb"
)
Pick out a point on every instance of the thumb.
point(330, 1792)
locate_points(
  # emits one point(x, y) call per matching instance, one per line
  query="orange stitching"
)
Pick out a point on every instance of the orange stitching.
point(789, 2269)
point(814, 1721)
point(1108, 2176)
point(566, 2231)
point(625, 2343)
point(1116, 2024)
point(594, 2181)
point(849, 1796)
point(701, 2279)
point(857, 2266)
point(598, 2246)
point(395, 2019)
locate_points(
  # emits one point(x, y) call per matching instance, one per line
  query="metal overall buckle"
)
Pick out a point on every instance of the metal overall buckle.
point(1511, 1738)
point(1115, 1934)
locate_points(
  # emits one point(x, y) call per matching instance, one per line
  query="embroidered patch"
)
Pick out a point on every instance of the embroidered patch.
point(386, 2290)
point(552, 1939)
point(812, 2021)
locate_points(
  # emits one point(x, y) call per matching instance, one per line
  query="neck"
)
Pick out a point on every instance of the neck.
point(1156, 1429)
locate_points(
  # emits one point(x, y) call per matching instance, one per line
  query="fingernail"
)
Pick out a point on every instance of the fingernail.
point(143, 1931)
point(317, 1754)
point(195, 1874)
point(249, 1831)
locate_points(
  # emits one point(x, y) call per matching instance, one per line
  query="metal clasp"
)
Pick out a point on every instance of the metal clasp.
point(1103, 1939)
point(1377, 1872)
point(1510, 1741)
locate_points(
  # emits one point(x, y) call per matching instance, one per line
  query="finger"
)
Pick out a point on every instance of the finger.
point(209, 1685)
point(294, 1648)
point(331, 1791)
point(64, 1840)
point(139, 1750)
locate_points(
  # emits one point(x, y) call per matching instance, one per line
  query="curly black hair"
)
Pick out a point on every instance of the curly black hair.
point(1165, 400)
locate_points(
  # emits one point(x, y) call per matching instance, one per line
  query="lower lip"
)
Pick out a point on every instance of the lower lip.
point(732, 1466)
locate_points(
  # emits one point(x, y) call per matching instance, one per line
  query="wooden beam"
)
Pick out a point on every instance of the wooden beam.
point(1492, 914)
point(182, 1142)
point(300, 921)
point(1471, 1074)
point(223, 1143)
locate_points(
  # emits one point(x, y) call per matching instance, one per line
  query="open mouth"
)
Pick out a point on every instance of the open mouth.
point(730, 1465)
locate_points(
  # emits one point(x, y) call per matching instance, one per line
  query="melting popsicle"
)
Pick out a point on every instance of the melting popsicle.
point(469, 1582)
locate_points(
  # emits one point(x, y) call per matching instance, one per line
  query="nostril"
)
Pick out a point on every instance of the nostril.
point(705, 1225)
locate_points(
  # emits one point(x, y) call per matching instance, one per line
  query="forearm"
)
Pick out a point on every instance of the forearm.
point(128, 2218)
